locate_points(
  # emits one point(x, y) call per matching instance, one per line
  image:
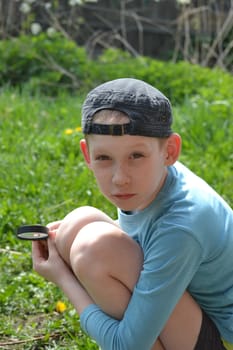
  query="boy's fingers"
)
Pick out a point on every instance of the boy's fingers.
point(39, 251)
point(51, 240)
point(54, 225)
point(52, 250)
point(52, 234)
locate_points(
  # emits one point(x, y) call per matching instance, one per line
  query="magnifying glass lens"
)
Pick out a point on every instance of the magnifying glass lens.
point(32, 232)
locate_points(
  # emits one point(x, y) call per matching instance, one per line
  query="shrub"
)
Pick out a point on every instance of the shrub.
point(176, 80)
point(46, 64)
point(54, 64)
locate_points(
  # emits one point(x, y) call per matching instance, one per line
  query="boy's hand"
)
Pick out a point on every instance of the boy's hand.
point(48, 263)
point(46, 260)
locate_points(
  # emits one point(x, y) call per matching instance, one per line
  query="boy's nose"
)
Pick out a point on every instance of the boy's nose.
point(120, 176)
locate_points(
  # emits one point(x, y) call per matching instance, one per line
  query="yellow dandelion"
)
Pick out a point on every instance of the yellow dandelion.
point(60, 306)
point(69, 131)
point(78, 129)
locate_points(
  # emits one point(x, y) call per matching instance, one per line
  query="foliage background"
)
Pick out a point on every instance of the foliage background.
point(197, 31)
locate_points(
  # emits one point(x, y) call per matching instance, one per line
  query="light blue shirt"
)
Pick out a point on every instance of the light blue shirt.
point(186, 235)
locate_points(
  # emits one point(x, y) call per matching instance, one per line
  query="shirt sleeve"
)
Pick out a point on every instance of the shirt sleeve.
point(169, 265)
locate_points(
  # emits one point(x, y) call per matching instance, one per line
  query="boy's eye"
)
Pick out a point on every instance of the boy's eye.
point(136, 155)
point(102, 157)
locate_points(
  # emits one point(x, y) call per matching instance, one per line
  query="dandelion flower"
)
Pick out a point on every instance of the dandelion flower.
point(60, 306)
point(78, 129)
point(69, 131)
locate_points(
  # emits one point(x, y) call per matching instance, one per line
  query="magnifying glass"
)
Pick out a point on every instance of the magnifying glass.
point(32, 232)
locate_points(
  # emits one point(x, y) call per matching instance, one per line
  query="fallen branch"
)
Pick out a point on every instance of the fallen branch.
point(2, 250)
point(29, 340)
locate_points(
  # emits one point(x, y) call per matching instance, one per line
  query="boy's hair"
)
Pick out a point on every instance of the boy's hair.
point(148, 110)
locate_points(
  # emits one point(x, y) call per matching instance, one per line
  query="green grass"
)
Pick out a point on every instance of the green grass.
point(43, 176)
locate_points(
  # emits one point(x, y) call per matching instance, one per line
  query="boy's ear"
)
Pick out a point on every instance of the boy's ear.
point(173, 148)
point(85, 151)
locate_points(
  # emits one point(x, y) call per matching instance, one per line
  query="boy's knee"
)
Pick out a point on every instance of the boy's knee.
point(103, 249)
point(71, 226)
point(89, 248)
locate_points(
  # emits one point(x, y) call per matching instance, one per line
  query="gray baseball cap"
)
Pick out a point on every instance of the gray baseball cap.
point(149, 111)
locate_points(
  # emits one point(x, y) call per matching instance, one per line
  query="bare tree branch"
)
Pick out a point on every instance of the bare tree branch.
point(56, 24)
point(227, 26)
point(224, 55)
point(140, 33)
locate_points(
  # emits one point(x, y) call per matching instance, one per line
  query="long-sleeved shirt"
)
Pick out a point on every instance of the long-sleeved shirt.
point(186, 235)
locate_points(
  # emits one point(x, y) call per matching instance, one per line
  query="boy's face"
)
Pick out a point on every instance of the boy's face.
point(130, 170)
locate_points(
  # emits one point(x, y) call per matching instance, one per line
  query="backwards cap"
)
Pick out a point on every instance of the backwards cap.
point(149, 111)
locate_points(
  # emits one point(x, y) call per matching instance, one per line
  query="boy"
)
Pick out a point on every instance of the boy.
point(161, 277)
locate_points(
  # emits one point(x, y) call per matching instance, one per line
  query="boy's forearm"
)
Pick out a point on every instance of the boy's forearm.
point(74, 291)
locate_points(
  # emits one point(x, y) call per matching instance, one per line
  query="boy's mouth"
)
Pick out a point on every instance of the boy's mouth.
point(124, 196)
